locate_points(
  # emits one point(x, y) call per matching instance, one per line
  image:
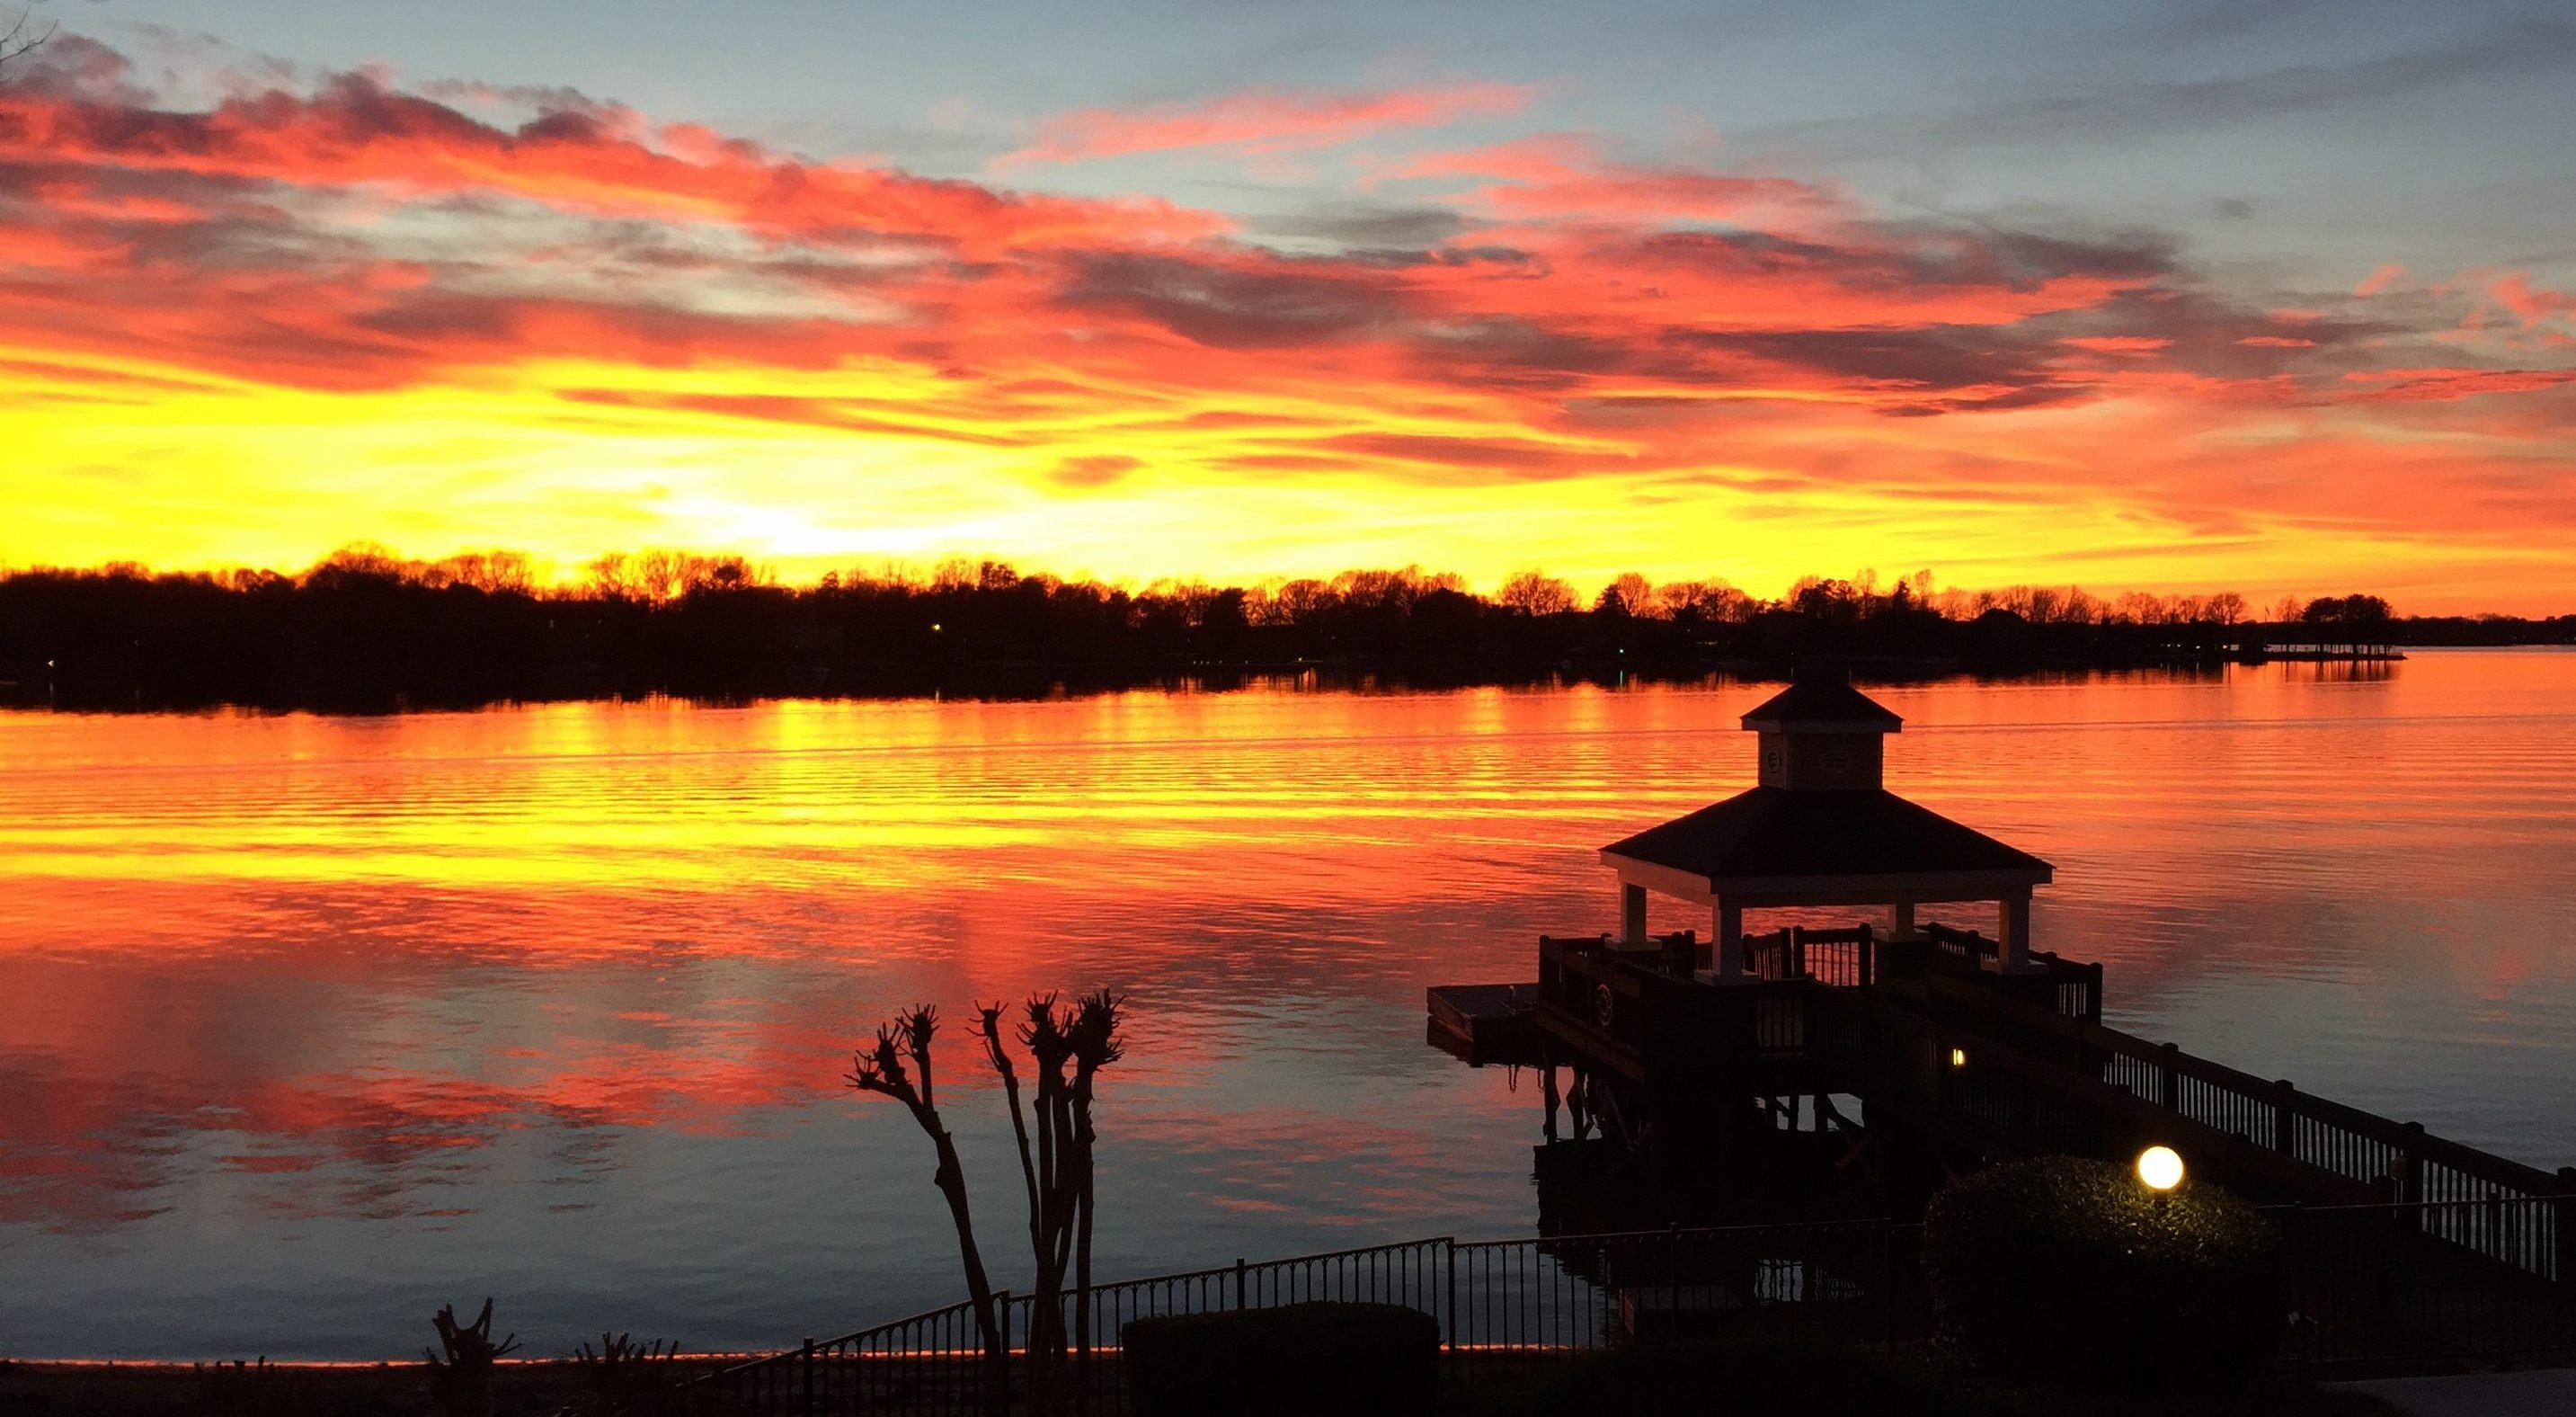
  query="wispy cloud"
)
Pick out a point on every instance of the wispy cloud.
point(1261, 120)
point(2144, 107)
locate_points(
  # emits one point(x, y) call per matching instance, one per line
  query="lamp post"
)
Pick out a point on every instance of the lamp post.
point(2160, 1168)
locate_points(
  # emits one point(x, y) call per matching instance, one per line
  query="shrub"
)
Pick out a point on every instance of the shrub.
point(2062, 1268)
point(1348, 1360)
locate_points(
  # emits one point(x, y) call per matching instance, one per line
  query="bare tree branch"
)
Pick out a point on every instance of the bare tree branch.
point(23, 36)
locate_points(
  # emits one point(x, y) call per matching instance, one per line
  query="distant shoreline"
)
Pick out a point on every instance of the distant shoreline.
point(375, 636)
point(1024, 683)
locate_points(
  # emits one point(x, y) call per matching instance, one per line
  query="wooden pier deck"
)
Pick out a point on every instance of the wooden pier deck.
point(1487, 1023)
point(1966, 1065)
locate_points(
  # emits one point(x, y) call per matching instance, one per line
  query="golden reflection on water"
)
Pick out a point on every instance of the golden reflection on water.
point(312, 1010)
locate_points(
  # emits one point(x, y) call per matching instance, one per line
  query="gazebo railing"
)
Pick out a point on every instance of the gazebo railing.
point(1843, 959)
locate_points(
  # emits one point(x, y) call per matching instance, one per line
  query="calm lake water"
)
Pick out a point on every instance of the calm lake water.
point(308, 1025)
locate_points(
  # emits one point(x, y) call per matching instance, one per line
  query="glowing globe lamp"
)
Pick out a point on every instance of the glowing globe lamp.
point(2160, 1167)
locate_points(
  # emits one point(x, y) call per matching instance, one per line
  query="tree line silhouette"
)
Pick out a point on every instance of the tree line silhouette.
point(364, 629)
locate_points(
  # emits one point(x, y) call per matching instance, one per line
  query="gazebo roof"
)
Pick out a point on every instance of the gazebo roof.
point(1774, 839)
point(1822, 703)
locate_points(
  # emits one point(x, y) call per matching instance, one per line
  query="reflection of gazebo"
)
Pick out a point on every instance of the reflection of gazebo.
point(1821, 830)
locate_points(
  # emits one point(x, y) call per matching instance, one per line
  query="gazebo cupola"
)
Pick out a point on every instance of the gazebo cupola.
point(1822, 733)
point(1821, 829)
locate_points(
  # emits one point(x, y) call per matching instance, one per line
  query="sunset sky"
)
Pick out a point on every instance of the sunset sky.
point(2168, 296)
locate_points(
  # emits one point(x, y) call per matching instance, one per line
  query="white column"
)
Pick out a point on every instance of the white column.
point(2014, 918)
point(1632, 916)
point(1728, 951)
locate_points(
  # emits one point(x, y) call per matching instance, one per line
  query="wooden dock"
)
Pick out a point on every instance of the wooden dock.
point(1959, 1065)
point(1487, 1023)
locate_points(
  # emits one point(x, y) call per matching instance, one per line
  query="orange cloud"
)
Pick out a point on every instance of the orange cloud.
point(2119, 344)
point(1260, 120)
point(2380, 279)
point(2411, 384)
point(255, 330)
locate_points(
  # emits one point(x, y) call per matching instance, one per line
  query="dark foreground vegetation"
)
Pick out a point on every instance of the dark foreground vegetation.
point(1688, 1381)
point(2068, 1270)
point(2059, 1287)
point(364, 630)
point(1705, 1380)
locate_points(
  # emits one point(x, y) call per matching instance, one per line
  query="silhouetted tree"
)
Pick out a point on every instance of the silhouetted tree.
point(1069, 1044)
point(1535, 593)
point(882, 1070)
point(1630, 596)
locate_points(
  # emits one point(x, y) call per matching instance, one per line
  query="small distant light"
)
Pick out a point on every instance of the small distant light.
point(2160, 1167)
point(936, 627)
point(1958, 1057)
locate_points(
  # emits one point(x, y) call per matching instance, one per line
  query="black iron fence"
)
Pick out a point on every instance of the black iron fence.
point(2368, 1289)
point(1498, 1303)
point(2431, 1284)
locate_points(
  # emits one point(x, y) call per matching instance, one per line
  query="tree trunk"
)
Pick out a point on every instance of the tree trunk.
point(950, 1178)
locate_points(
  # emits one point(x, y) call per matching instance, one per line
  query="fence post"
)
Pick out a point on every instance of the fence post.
point(997, 1376)
point(1672, 1275)
point(2410, 1167)
point(1449, 1336)
point(1887, 1282)
point(1238, 1282)
point(805, 1400)
point(2284, 1128)
point(2563, 1221)
point(2169, 1086)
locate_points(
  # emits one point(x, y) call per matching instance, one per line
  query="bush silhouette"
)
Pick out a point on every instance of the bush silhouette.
point(2070, 1270)
point(1341, 1359)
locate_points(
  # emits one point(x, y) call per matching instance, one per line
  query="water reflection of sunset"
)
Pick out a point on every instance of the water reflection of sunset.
point(360, 1008)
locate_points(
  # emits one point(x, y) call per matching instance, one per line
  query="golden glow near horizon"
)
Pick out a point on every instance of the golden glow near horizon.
point(250, 333)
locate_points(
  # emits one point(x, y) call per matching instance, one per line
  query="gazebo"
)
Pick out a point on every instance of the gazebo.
point(1821, 829)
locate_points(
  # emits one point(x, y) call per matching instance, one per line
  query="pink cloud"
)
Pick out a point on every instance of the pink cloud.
point(2515, 293)
point(2379, 279)
point(1261, 119)
point(1554, 176)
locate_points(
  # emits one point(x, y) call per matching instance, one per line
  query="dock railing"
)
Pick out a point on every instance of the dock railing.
point(2074, 986)
point(1842, 959)
point(2381, 1160)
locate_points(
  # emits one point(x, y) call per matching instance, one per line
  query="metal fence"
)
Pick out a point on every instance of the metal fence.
point(1497, 1303)
point(2376, 1288)
point(2412, 1286)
